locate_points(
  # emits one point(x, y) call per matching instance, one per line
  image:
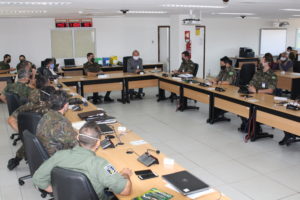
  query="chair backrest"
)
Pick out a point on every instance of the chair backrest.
point(246, 73)
point(296, 66)
point(13, 102)
point(34, 151)
point(28, 121)
point(196, 69)
point(71, 185)
point(125, 61)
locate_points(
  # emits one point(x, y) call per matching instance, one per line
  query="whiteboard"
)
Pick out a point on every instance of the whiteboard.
point(84, 42)
point(272, 41)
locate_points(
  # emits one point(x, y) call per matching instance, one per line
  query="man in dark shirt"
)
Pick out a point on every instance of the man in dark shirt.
point(91, 66)
point(47, 69)
point(22, 58)
point(4, 65)
point(135, 65)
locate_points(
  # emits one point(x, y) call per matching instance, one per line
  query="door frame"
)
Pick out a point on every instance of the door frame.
point(169, 46)
point(204, 48)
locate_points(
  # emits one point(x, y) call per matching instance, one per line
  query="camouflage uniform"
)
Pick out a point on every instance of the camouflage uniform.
point(4, 66)
point(264, 80)
point(228, 74)
point(187, 67)
point(41, 108)
point(18, 88)
point(91, 67)
point(34, 97)
point(56, 132)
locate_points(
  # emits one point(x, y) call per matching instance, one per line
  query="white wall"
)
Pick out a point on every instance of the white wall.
point(114, 37)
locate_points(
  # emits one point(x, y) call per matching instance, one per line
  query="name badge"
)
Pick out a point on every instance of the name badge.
point(263, 85)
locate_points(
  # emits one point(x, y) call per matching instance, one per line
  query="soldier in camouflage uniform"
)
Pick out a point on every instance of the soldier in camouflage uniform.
point(82, 158)
point(41, 107)
point(264, 81)
point(54, 130)
point(187, 66)
point(91, 66)
point(20, 87)
point(227, 76)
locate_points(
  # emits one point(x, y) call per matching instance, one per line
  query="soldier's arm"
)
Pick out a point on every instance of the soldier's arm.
point(68, 138)
point(271, 86)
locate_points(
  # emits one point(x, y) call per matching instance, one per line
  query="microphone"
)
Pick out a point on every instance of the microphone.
point(120, 142)
point(156, 151)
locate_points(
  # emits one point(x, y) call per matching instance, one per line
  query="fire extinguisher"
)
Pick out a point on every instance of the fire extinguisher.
point(188, 43)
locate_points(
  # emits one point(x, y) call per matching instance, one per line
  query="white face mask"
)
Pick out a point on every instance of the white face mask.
point(136, 57)
point(283, 58)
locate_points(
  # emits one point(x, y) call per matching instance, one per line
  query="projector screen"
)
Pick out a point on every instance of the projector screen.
point(272, 41)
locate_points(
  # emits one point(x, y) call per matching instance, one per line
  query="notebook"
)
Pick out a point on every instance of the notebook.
point(185, 182)
point(105, 129)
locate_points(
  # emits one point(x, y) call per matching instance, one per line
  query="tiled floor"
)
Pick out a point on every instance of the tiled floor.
point(216, 153)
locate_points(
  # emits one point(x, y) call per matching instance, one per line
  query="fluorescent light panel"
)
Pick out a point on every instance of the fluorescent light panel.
point(190, 6)
point(35, 3)
point(18, 12)
point(246, 14)
point(146, 12)
point(290, 9)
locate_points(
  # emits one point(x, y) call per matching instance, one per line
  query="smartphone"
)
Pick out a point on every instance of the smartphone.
point(143, 172)
point(147, 176)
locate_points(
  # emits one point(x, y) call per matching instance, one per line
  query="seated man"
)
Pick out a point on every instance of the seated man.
point(285, 64)
point(4, 65)
point(21, 59)
point(42, 107)
point(227, 75)
point(28, 66)
point(91, 66)
point(54, 130)
point(135, 65)
point(20, 87)
point(264, 81)
point(187, 66)
point(83, 159)
point(47, 69)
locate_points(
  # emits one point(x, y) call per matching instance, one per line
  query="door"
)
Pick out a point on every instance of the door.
point(164, 47)
point(198, 49)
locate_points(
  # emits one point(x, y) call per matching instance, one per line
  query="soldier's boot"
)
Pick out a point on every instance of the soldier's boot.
point(13, 163)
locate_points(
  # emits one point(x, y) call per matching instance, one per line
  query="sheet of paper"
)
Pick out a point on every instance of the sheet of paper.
point(253, 100)
point(280, 98)
point(138, 142)
point(78, 125)
point(195, 195)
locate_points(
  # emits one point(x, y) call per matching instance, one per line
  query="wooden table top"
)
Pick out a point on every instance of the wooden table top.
point(291, 75)
point(120, 159)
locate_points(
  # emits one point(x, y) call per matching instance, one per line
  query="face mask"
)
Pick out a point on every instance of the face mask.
point(52, 66)
point(223, 67)
point(136, 57)
point(8, 61)
point(283, 59)
point(93, 60)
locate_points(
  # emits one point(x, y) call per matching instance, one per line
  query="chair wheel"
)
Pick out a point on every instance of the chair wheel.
point(43, 195)
point(15, 143)
point(12, 137)
point(21, 182)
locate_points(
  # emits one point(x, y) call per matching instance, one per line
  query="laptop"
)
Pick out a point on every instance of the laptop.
point(105, 129)
point(93, 113)
point(69, 62)
point(185, 182)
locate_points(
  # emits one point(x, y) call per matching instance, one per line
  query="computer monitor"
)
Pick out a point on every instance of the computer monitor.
point(99, 61)
point(69, 62)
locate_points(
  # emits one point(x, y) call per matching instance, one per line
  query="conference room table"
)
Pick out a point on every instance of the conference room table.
point(289, 81)
point(120, 159)
point(78, 70)
point(5, 78)
point(262, 106)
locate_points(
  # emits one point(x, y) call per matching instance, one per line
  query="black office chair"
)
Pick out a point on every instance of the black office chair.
point(296, 66)
point(13, 103)
point(35, 153)
point(125, 61)
point(246, 74)
point(71, 185)
point(27, 121)
point(184, 104)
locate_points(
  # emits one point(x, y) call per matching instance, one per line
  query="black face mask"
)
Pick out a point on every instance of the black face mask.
point(8, 61)
point(223, 67)
point(93, 60)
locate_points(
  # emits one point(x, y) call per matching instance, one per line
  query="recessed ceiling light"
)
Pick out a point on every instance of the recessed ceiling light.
point(246, 14)
point(146, 12)
point(190, 6)
point(290, 9)
point(35, 3)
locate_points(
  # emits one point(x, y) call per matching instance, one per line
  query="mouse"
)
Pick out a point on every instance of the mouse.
point(110, 136)
point(59, 85)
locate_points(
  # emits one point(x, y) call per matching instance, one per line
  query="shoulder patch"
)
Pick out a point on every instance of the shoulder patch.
point(110, 169)
point(273, 77)
point(230, 73)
